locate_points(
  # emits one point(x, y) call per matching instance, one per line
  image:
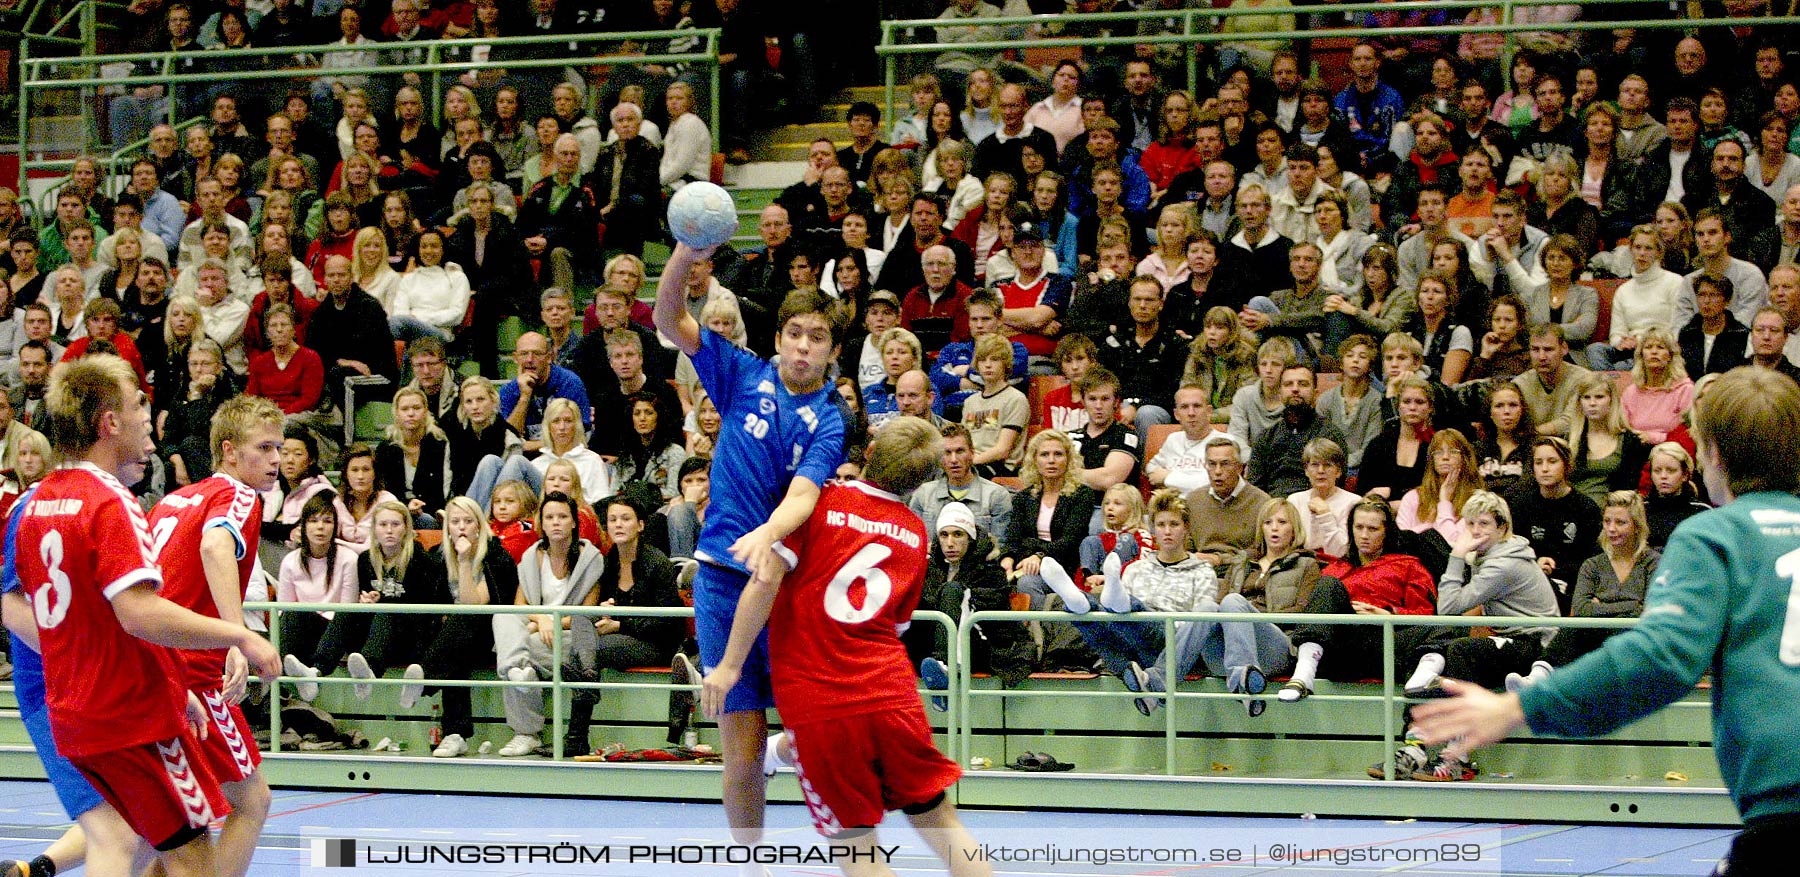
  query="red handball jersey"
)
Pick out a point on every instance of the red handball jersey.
point(177, 525)
point(858, 564)
point(84, 541)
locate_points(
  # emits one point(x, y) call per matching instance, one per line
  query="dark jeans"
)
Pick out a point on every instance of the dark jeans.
point(613, 651)
point(1353, 651)
point(384, 640)
point(463, 644)
point(301, 632)
point(1764, 848)
point(1573, 642)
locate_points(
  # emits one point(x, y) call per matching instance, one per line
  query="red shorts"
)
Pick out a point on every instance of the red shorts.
point(160, 788)
point(854, 769)
point(229, 749)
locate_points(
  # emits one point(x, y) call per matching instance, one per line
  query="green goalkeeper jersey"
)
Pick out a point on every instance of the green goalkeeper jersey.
point(1725, 600)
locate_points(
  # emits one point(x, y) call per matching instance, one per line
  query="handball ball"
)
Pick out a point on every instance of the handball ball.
point(702, 215)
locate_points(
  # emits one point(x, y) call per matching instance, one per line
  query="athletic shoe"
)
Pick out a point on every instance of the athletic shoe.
point(383, 745)
point(14, 868)
point(936, 677)
point(1255, 683)
point(6, 674)
point(1445, 770)
point(1248, 679)
point(487, 748)
point(409, 694)
point(773, 760)
point(681, 700)
point(1137, 679)
point(1515, 683)
point(1293, 691)
point(291, 666)
point(453, 746)
point(1408, 761)
point(522, 674)
point(359, 669)
point(519, 746)
point(1431, 688)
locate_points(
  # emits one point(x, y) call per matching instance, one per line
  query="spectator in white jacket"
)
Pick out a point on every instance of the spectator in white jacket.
point(687, 147)
point(433, 297)
point(1648, 299)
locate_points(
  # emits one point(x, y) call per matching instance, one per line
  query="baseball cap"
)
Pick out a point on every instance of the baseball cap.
point(885, 297)
point(1028, 232)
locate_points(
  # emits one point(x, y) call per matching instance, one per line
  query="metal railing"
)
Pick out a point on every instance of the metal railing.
point(959, 720)
point(555, 685)
point(1198, 28)
point(963, 689)
point(440, 60)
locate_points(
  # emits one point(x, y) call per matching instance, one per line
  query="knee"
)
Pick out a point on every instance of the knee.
point(253, 798)
point(1235, 603)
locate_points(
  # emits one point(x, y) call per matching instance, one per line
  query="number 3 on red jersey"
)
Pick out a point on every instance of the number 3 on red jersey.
point(52, 602)
point(877, 587)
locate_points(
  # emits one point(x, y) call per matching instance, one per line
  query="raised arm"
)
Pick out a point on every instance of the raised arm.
point(671, 316)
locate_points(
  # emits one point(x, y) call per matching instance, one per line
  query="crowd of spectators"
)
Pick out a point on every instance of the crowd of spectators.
point(1325, 350)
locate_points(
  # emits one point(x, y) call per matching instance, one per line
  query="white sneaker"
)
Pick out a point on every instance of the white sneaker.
point(519, 746)
point(453, 746)
point(1515, 683)
point(382, 745)
point(359, 669)
point(409, 694)
point(487, 747)
point(773, 757)
point(291, 666)
point(522, 674)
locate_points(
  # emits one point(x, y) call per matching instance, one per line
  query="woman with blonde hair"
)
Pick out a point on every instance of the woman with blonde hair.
point(369, 266)
point(1276, 576)
point(480, 573)
point(1176, 225)
point(1050, 514)
point(1660, 391)
point(414, 461)
point(394, 570)
point(1672, 496)
point(476, 433)
point(1608, 456)
point(1611, 584)
point(1437, 503)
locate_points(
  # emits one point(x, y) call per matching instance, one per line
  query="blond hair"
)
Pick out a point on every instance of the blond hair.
point(393, 433)
point(1640, 523)
point(1487, 502)
point(1168, 501)
point(1071, 477)
point(238, 417)
point(1134, 505)
point(477, 554)
point(384, 566)
point(367, 233)
point(905, 337)
point(993, 346)
point(1672, 373)
point(903, 455)
point(1615, 418)
point(1276, 505)
point(1467, 483)
point(1749, 417)
point(80, 392)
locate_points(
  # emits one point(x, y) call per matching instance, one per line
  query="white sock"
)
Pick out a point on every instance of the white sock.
point(1306, 667)
point(1430, 667)
point(1074, 599)
point(1540, 670)
point(1113, 596)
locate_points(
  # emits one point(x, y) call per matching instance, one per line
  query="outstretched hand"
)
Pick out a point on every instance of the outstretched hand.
point(1470, 718)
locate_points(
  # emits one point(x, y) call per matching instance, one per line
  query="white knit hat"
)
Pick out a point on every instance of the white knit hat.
point(957, 515)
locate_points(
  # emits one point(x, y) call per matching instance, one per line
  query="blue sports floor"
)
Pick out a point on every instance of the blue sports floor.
point(1213, 846)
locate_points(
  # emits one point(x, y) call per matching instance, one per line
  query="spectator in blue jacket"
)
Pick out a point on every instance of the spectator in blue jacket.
point(1370, 107)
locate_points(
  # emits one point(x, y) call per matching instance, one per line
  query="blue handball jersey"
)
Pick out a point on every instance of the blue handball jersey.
point(28, 665)
point(767, 437)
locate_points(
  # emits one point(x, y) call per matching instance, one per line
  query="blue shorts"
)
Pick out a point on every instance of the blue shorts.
point(77, 795)
point(716, 592)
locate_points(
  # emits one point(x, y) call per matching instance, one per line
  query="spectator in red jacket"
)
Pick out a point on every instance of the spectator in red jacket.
point(935, 310)
point(291, 376)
